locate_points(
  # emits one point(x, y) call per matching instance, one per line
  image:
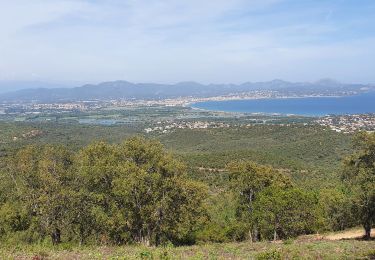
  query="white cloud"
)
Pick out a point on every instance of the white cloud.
point(174, 40)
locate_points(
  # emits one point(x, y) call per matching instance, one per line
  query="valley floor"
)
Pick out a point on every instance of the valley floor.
point(304, 247)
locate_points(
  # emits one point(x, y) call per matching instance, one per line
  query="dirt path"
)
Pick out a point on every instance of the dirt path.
point(355, 233)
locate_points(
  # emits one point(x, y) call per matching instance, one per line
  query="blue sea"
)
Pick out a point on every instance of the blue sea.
point(310, 106)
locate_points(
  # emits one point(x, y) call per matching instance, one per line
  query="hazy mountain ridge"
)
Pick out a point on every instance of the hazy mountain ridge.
point(11, 86)
point(128, 90)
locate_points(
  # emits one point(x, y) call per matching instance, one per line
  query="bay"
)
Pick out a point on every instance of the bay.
point(306, 106)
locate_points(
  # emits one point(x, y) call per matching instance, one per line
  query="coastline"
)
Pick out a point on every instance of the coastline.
point(315, 108)
point(235, 98)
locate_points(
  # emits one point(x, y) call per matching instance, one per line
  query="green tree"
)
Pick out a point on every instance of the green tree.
point(359, 176)
point(161, 203)
point(248, 179)
point(138, 192)
point(285, 212)
point(94, 207)
point(14, 216)
point(222, 225)
point(41, 176)
point(336, 208)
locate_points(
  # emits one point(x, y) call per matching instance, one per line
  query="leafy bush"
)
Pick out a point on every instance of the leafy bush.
point(269, 255)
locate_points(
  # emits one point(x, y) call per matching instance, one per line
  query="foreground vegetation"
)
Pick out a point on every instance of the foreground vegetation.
point(137, 192)
point(291, 249)
point(259, 183)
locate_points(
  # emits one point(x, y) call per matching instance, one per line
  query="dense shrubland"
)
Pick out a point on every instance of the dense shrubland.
point(137, 192)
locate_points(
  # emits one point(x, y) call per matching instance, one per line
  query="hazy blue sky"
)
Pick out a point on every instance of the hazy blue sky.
point(178, 40)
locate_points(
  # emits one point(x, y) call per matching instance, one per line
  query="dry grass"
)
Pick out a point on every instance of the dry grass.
point(349, 234)
point(308, 247)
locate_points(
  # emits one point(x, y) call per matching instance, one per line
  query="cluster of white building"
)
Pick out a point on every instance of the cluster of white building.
point(59, 106)
point(185, 101)
point(186, 125)
point(349, 123)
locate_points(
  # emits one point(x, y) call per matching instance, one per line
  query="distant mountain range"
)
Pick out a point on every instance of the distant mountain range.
point(127, 90)
point(8, 86)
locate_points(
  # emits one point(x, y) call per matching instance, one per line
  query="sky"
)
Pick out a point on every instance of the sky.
point(168, 41)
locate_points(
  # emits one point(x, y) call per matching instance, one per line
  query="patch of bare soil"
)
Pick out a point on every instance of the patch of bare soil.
point(349, 234)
